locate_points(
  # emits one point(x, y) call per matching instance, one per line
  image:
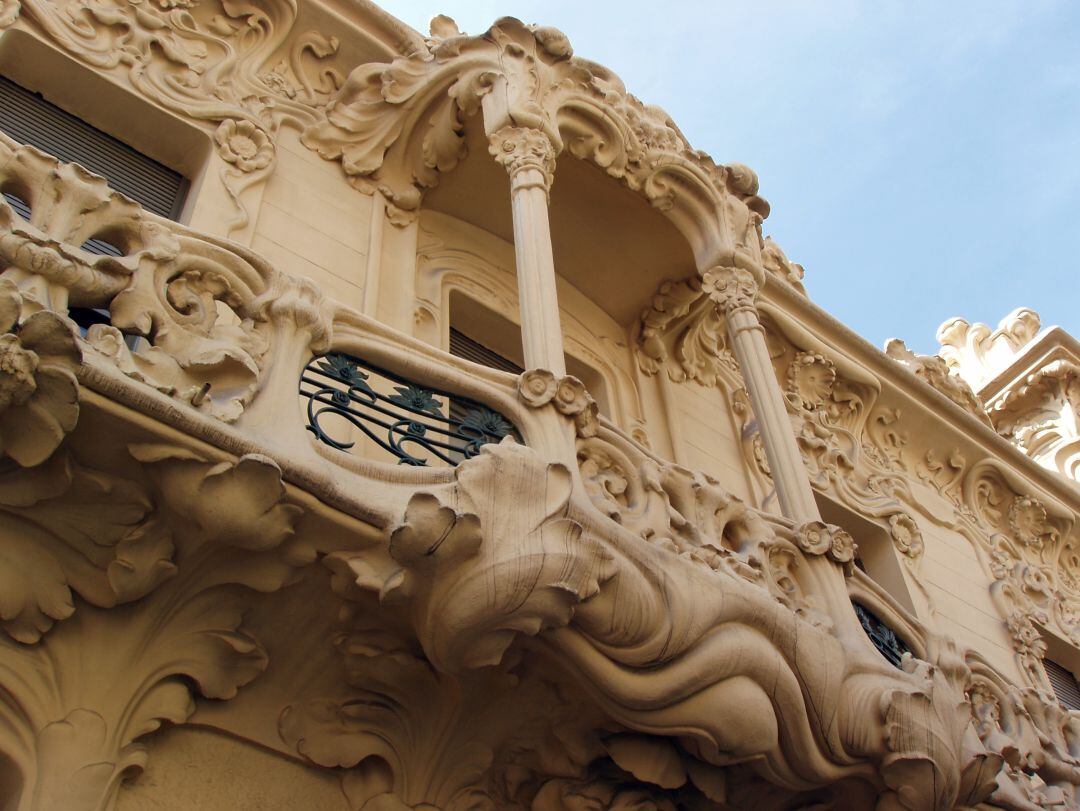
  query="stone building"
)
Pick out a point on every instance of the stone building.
point(398, 421)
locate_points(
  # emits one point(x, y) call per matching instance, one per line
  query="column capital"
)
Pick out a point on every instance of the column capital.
point(731, 288)
point(520, 149)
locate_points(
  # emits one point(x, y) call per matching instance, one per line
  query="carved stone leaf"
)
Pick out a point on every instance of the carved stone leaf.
point(72, 528)
point(654, 760)
point(236, 504)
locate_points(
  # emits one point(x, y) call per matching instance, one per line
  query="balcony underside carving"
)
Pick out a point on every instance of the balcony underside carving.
point(607, 628)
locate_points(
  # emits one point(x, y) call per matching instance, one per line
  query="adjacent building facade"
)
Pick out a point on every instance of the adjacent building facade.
point(397, 421)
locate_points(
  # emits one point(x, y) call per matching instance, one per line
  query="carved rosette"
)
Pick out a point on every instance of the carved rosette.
point(538, 387)
point(819, 538)
point(519, 149)
point(906, 535)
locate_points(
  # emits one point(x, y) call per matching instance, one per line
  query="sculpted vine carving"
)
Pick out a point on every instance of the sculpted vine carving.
point(206, 61)
point(39, 402)
point(684, 334)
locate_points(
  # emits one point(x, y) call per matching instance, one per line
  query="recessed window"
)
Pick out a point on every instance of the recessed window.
point(28, 118)
point(465, 347)
point(1064, 683)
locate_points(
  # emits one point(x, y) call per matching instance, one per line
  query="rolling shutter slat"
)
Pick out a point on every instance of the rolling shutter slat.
point(465, 347)
point(1064, 684)
point(29, 119)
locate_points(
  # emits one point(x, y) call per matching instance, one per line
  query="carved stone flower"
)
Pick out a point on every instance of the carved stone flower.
point(729, 287)
point(243, 144)
point(906, 534)
point(39, 395)
point(537, 387)
point(571, 398)
point(810, 380)
point(819, 538)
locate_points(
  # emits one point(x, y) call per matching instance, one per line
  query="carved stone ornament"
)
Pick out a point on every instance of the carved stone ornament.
point(221, 529)
point(683, 333)
point(39, 402)
point(397, 127)
point(775, 261)
point(520, 148)
point(211, 65)
point(538, 387)
point(188, 316)
point(818, 538)
point(934, 372)
point(906, 535)
point(977, 353)
point(730, 288)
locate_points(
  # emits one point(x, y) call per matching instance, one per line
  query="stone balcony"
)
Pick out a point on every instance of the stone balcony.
point(565, 613)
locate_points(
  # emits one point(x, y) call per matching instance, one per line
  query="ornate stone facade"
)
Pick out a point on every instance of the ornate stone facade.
point(273, 539)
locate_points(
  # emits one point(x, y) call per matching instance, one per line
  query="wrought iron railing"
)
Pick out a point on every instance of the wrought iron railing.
point(884, 638)
point(414, 424)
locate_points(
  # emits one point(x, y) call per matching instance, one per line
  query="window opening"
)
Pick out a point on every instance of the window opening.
point(28, 118)
point(1064, 683)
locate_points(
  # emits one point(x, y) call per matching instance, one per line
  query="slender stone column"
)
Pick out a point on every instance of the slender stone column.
point(828, 548)
point(734, 291)
point(529, 158)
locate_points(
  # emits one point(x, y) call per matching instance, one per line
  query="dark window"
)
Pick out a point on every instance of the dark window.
point(1064, 682)
point(465, 347)
point(884, 638)
point(29, 119)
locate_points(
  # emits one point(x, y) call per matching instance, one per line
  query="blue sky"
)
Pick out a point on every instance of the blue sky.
point(922, 158)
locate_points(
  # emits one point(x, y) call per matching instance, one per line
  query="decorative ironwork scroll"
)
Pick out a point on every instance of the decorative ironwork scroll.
point(410, 422)
point(881, 635)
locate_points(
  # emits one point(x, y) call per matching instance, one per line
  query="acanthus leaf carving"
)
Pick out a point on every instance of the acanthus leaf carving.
point(72, 739)
point(186, 312)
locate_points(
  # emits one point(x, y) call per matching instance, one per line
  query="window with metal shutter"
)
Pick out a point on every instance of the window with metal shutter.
point(465, 347)
point(1064, 683)
point(462, 346)
point(29, 119)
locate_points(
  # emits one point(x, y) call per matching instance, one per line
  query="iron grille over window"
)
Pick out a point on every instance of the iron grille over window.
point(407, 421)
point(881, 635)
point(27, 118)
point(1064, 683)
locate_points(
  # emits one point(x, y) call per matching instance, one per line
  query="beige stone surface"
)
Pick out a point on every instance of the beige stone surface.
point(201, 768)
point(643, 597)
